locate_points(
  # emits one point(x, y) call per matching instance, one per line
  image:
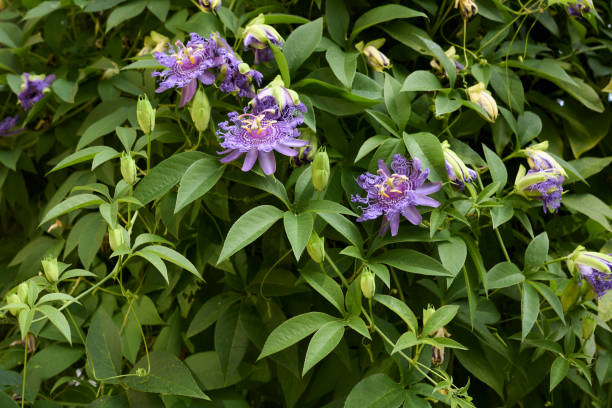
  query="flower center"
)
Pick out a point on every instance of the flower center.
point(393, 187)
point(191, 53)
point(257, 126)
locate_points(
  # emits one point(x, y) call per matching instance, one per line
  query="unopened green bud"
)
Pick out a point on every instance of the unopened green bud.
point(376, 59)
point(588, 327)
point(367, 283)
point(51, 269)
point(427, 313)
point(200, 110)
point(115, 238)
point(316, 247)
point(480, 96)
point(145, 114)
point(128, 168)
point(11, 300)
point(320, 170)
point(570, 294)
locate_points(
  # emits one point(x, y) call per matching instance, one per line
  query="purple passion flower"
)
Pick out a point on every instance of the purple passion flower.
point(391, 194)
point(210, 5)
point(545, 185)
point(33, 89)
point(267, 127)
point(258, 37)
point(596, 268)
point(9, 123)
point(203, 59)
point(577, 8)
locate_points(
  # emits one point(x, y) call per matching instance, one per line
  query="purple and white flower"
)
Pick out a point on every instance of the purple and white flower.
point(457, 171)
point(7, 124)
point(594, 267)
point(33, 89)
point(263, 128)
point(545, 185)
point(210, 5)
point(203, 59)
point(258, 37)
point(391, 194)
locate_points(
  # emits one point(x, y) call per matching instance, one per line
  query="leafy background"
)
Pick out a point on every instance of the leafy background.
point(185, 315)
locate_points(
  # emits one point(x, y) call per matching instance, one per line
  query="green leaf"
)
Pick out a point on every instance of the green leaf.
point(336, 11)
point(536, 252)
point(164, 176)
point(529, 127)
point(231, 340)
point(210, 311)
point(504, 274)
point(558, 371)
point(104, 119)
point(58, 319)
point(322, 206)
point(250, 226)
point(70, 204)
point(551, 297)
point(496, 167)
point(80, 156)
point(375, 391)
point(293, 330)
point(508, 87)
point(409, 260)
point(146, 238)
point(501, 215)
point(590, 206)
point(440, 318)
point(125, 12)
point(421, 81)
point(346, 228)
point(298, 228)
point(44, 8)
point(281, 61)
point(405, 341)
point(200, 177)
point(280, 18)
point(445, 105)
point(65, 89)
point(453, 254)
point(326, 286)
point(171, 255)
point(342, 64)
point(428, 149)
point(168, 375)
point(438, 53)
point(302, 42)
point(127, 136)
point(397, 102)
point(322, 343)
point(530, 308)
point(156, 261)
point(104, 346)
point(380, 15)
point(269, 184)
point(369, 145)
point(399, 308)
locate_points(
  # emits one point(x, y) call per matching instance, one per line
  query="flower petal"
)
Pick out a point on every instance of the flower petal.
point(394, 221)
point(420, 199)
point(267, 162)
point(249, 160)
point(188, 92)
point(285, 150)
point(412, 214)
point(232, 156)
point(428, 188)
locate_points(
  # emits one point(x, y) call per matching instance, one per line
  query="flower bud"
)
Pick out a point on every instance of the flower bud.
point(569, 296)
point(209, 5)
point(51, 269)
point(545, 185)
point(115, 238)
point(155, 42)
point(480, 96)
point(128, 168)
point(451, 53)
point(145, 114)
point(200, 110)
point(258, 36)
point(23, 290)
point(367, 283)
point(320, 170)
point(456, 169)
point(306, 153)
point(316, 247)
point(539, 159)
point(589, 324)
point(467, 7)
point(374, 57)
point(12, 300)
point(427, 313)
point(281, 95)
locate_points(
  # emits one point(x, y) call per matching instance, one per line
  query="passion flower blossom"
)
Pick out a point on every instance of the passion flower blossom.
point(263, 128)
point(539, 159)
point(258, 37)
point(578, 7)
point(451, 53)
point(210, 5)
point(595, 268)
point(391, 194)
point(7, 124)
point(203, 59)
point(545, 185)
point(33, 89)
point(457, 171)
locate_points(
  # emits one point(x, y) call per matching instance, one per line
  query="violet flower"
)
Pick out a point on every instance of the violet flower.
point(202, 59)
point(596, 268)
point(258, 37)
point(9, 123)
point(209, 5)
point(33, 89)
point(391, 194)
point(266, 125)
point(545, 185)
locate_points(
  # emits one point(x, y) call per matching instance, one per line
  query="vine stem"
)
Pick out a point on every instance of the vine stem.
point(335, 268)
point(25, 368)
point(503, 247)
